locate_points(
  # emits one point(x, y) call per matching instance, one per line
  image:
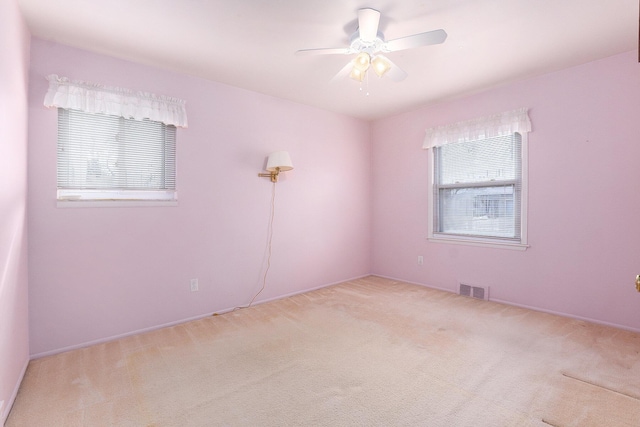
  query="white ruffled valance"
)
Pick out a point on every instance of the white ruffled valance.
point(485, 127)
point(96, 98)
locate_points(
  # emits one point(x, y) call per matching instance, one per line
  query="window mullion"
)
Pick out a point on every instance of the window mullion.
point(501, 183)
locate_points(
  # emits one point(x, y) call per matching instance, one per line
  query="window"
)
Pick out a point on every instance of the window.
point(478, 184)
point(106, 157)
point(114, 144)
point(477, 188)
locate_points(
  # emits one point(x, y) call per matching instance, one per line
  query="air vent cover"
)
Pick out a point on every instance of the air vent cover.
point(477, 292)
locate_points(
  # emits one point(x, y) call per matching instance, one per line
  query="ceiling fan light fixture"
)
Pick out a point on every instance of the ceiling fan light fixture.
point(362, 62)
point(357, 74)
point(367, 41)
point(381, 65)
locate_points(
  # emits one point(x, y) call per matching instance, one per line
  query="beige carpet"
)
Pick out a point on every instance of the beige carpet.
point(370, 352)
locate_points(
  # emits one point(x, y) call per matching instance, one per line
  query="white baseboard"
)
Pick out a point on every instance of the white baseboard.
point(295, 293)
point(528, 307)
point(5, 407)
point(416, 283)
point(571, 316)
point(177, 322)
point(114, 337)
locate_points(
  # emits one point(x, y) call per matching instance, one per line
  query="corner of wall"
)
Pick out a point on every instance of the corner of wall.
point(14, 324)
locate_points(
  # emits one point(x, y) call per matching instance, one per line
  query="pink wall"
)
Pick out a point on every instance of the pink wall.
point(584, 197)
point(98, 273)
point(14, 328)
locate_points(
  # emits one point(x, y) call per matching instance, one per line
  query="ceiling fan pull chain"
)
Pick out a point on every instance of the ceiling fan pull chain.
point(367, 77)
point(365, 81)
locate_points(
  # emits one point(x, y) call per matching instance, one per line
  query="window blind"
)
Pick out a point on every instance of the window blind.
point(477, 188)
point(106, 157)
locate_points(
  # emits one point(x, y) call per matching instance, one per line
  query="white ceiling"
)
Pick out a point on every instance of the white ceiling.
point(251, 43)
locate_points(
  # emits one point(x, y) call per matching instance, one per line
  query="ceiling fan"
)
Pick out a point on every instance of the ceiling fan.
point(368, 44)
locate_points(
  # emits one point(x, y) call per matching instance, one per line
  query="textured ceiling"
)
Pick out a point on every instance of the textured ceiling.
point(251, 43)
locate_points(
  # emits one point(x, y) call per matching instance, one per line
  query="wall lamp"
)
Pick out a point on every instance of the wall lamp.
point(279, 161)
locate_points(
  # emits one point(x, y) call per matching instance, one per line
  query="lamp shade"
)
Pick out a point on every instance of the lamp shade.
point(279, 159)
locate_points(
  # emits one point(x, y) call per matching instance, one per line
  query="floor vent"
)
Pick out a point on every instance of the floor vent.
point(476, 292)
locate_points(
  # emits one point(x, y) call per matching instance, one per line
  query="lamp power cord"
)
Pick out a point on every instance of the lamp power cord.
point(268, 248)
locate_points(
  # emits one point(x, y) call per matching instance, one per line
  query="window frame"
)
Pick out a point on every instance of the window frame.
point(114, 196)
point(493, 242)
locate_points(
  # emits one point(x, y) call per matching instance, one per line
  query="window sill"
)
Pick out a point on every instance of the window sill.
point(114, 203)
point(486, 243)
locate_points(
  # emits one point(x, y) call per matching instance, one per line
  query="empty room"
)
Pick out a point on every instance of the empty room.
point(319, 213)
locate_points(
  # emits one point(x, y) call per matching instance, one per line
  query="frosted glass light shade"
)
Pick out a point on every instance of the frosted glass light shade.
point(381, 65)
point(362, 62)
point(279, 159)
point(357, 74)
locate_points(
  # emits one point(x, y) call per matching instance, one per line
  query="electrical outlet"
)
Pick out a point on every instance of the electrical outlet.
point(420, 260)
point(194, 285)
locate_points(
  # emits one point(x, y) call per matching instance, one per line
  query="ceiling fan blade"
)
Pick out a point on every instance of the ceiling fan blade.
point(368, 20)
point(416, 40)
point(324, 51)
point(396, 73)
point(342, 73)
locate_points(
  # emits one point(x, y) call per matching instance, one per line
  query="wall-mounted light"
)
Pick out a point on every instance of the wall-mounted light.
point(279, 161)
